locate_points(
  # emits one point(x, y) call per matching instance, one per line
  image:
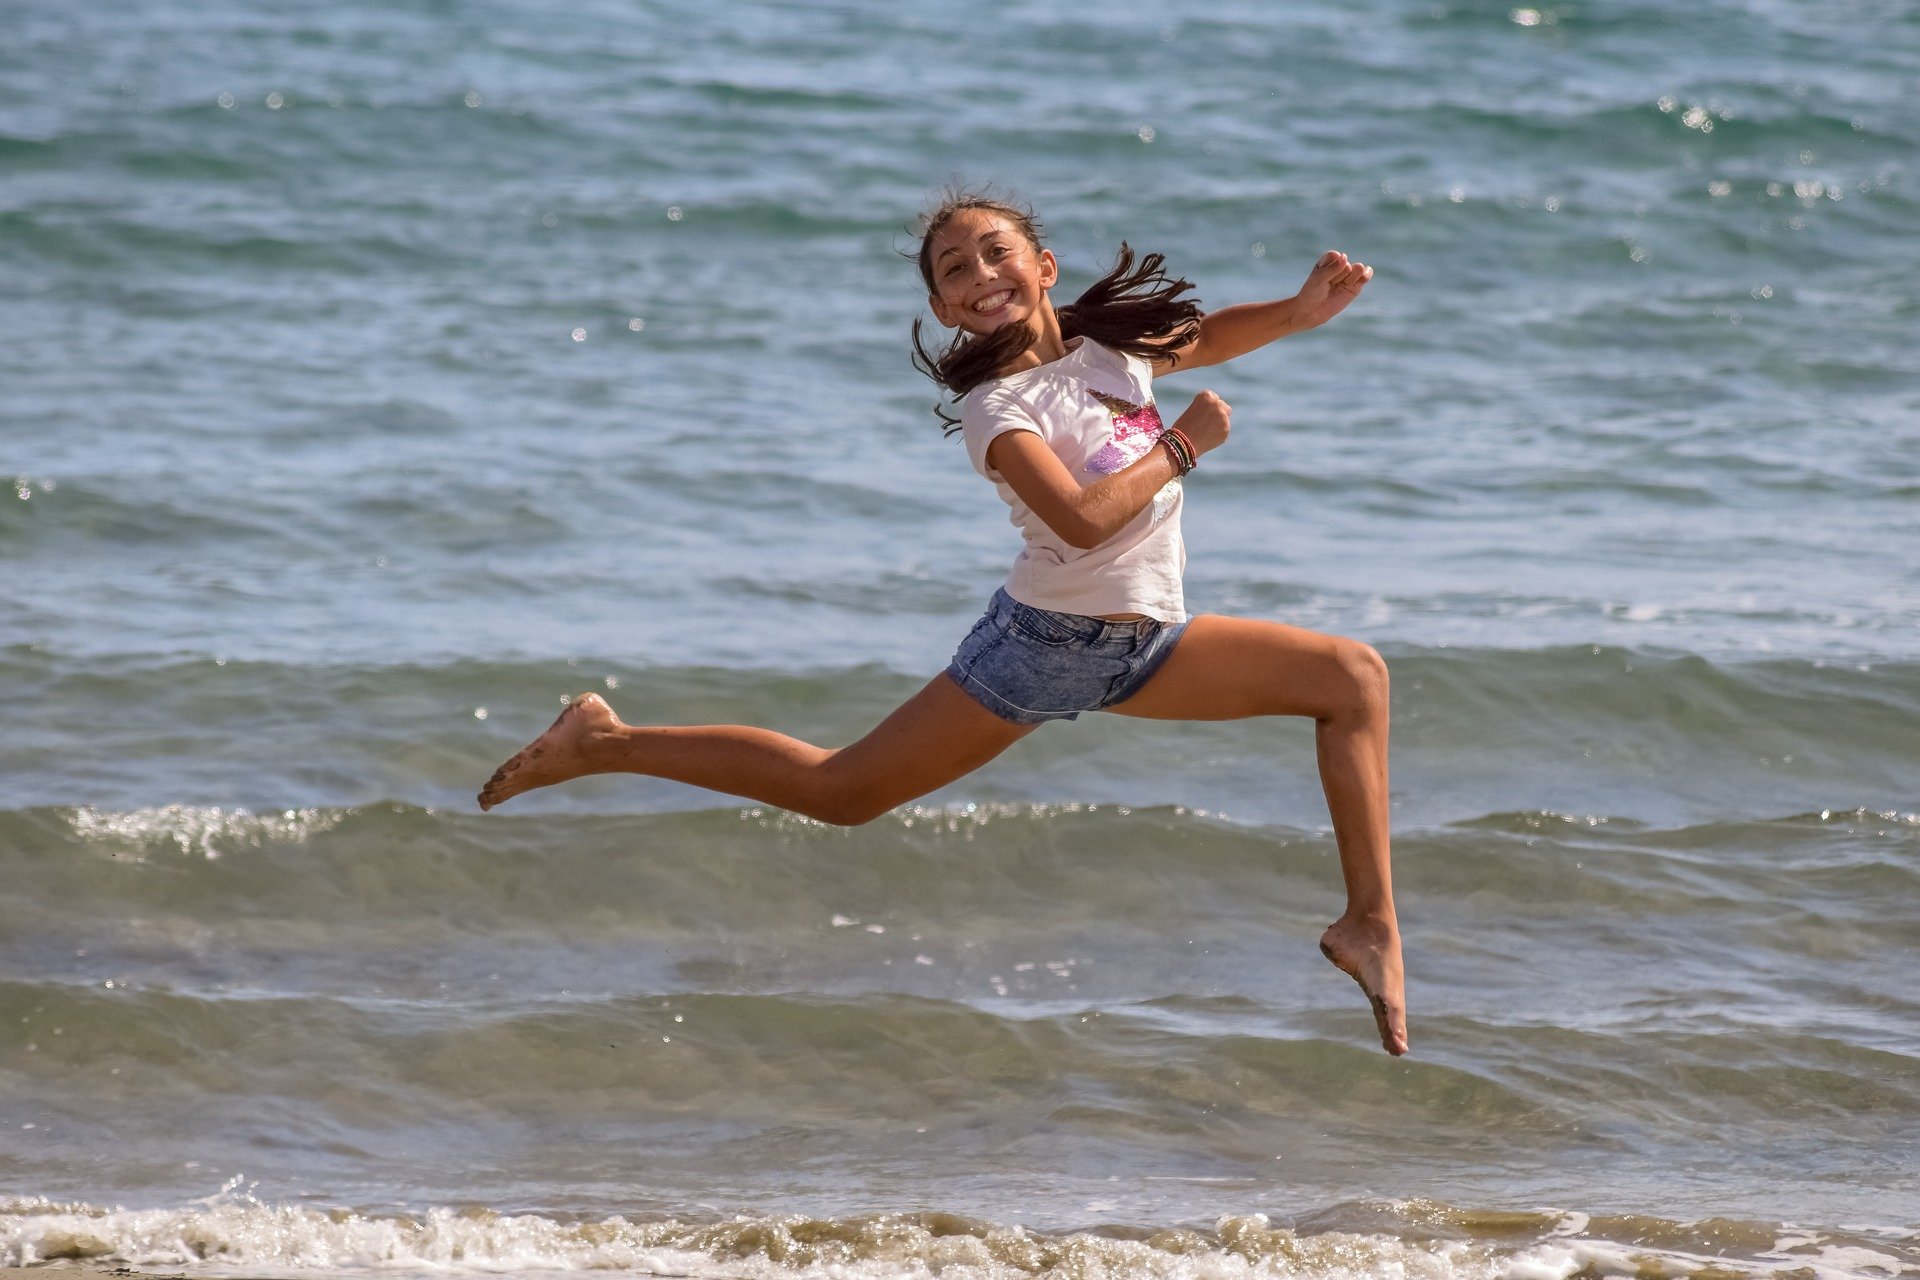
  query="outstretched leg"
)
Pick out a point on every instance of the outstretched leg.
point(1232, 668)
point(937, 735)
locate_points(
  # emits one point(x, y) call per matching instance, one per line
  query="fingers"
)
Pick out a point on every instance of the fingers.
point(1354, 278)
point(1331, 262)
point(1207, 421)
point(1336, 270)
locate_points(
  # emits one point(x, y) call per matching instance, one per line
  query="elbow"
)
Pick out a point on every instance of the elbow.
point(1082, 525)
point(1083, 534)
point(1077, 528)
point(1196, 355)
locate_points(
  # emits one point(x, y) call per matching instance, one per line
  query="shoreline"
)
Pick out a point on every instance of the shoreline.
point(85, 1271)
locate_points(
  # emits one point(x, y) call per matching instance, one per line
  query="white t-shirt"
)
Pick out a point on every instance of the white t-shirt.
point(1094, 408)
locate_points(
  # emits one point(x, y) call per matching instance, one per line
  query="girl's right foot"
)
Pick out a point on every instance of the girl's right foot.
point(1367, 949)
point(562, 753)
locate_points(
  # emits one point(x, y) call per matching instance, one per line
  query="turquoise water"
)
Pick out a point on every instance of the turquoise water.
point(372, 377)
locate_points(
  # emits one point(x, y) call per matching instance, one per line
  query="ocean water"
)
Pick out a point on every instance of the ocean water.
point(373, 377)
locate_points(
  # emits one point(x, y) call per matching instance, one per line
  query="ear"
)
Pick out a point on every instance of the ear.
point(1049, 269)
point(941, 311)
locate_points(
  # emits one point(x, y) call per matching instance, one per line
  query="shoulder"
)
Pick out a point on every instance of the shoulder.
point(993, 407)
point(1141, 370)
point(1132, 369)
point(1034, 398)
point(989, 411)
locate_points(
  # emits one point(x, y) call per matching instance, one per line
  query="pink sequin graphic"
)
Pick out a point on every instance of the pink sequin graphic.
point(1135, 429)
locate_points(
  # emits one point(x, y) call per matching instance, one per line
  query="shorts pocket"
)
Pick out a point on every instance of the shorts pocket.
point(1045, 627)
point(985, 635)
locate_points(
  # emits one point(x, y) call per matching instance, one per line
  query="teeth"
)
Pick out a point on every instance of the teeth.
point(996, 301)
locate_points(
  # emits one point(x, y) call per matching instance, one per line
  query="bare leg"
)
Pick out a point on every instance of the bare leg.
point(1232, 668)
point(937, 735)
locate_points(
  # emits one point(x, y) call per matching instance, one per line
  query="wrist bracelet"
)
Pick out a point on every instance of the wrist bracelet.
point(1187, 446)
point(1181, 459)
point(1182, 463)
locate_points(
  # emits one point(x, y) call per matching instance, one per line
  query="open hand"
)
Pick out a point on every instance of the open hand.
point(1335, 281)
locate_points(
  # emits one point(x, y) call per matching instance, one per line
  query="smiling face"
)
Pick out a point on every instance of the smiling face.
point(986, 272)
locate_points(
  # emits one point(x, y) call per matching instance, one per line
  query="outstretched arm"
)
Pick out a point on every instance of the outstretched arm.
point(1335, 281)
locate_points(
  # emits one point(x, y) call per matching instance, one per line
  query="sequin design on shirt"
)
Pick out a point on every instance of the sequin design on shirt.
point(1135, 429)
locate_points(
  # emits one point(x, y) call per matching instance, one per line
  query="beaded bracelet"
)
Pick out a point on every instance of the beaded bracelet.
point(1187, 446)
point(1180, 464)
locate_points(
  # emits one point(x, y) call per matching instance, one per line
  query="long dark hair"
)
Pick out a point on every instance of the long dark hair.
point(1135, 309)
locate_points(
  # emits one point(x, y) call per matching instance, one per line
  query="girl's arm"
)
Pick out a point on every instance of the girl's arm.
point(1087, 516)
point(1233, 331)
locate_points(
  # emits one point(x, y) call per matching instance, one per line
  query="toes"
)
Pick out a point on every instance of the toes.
point(490, 794)
point(1393, 1038)
point(1395, 1043)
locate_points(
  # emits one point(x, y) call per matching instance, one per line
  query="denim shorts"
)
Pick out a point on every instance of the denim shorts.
point(1031, 665)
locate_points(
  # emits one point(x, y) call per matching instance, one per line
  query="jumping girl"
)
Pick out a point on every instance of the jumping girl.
point(1057, 410)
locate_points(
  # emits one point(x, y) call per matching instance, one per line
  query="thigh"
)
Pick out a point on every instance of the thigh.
point(1231, 668)
point(934, 737)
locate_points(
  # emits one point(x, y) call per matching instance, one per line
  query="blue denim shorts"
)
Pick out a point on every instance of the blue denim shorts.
point(1031, 665)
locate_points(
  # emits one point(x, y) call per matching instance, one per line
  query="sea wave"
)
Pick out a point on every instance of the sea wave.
point(205, 830)
point(1004, 856)
point(1657, 736)
point(959, 962)
point(235, 1234)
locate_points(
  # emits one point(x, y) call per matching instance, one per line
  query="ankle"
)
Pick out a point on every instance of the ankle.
point(1374, 916)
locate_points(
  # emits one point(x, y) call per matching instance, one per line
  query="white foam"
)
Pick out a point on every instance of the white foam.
point(261, 1240)
point(205, 831)
point(227, 1235)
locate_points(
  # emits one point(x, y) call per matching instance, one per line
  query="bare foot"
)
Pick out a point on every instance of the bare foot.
point(1367, 949)
point(558, 755)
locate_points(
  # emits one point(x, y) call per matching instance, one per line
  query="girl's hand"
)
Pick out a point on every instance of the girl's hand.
point(1206, 422)
point(1334, 282)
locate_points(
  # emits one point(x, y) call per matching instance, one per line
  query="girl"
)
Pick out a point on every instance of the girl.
point(1058, 412)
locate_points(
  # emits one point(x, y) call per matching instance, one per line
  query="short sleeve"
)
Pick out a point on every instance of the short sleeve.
point(988, 414)
point(1140, 369)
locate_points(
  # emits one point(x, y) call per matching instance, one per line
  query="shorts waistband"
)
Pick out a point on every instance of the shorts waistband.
point(1005, 606)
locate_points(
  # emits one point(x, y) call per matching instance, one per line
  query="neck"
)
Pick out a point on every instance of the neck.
point(1047, 343)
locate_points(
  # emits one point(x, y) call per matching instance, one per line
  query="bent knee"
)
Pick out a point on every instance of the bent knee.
point(846, 809)
point(1364, 679)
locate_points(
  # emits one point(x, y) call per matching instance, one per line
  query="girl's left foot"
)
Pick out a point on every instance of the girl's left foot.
point(1367, 949)
point(560, 754)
